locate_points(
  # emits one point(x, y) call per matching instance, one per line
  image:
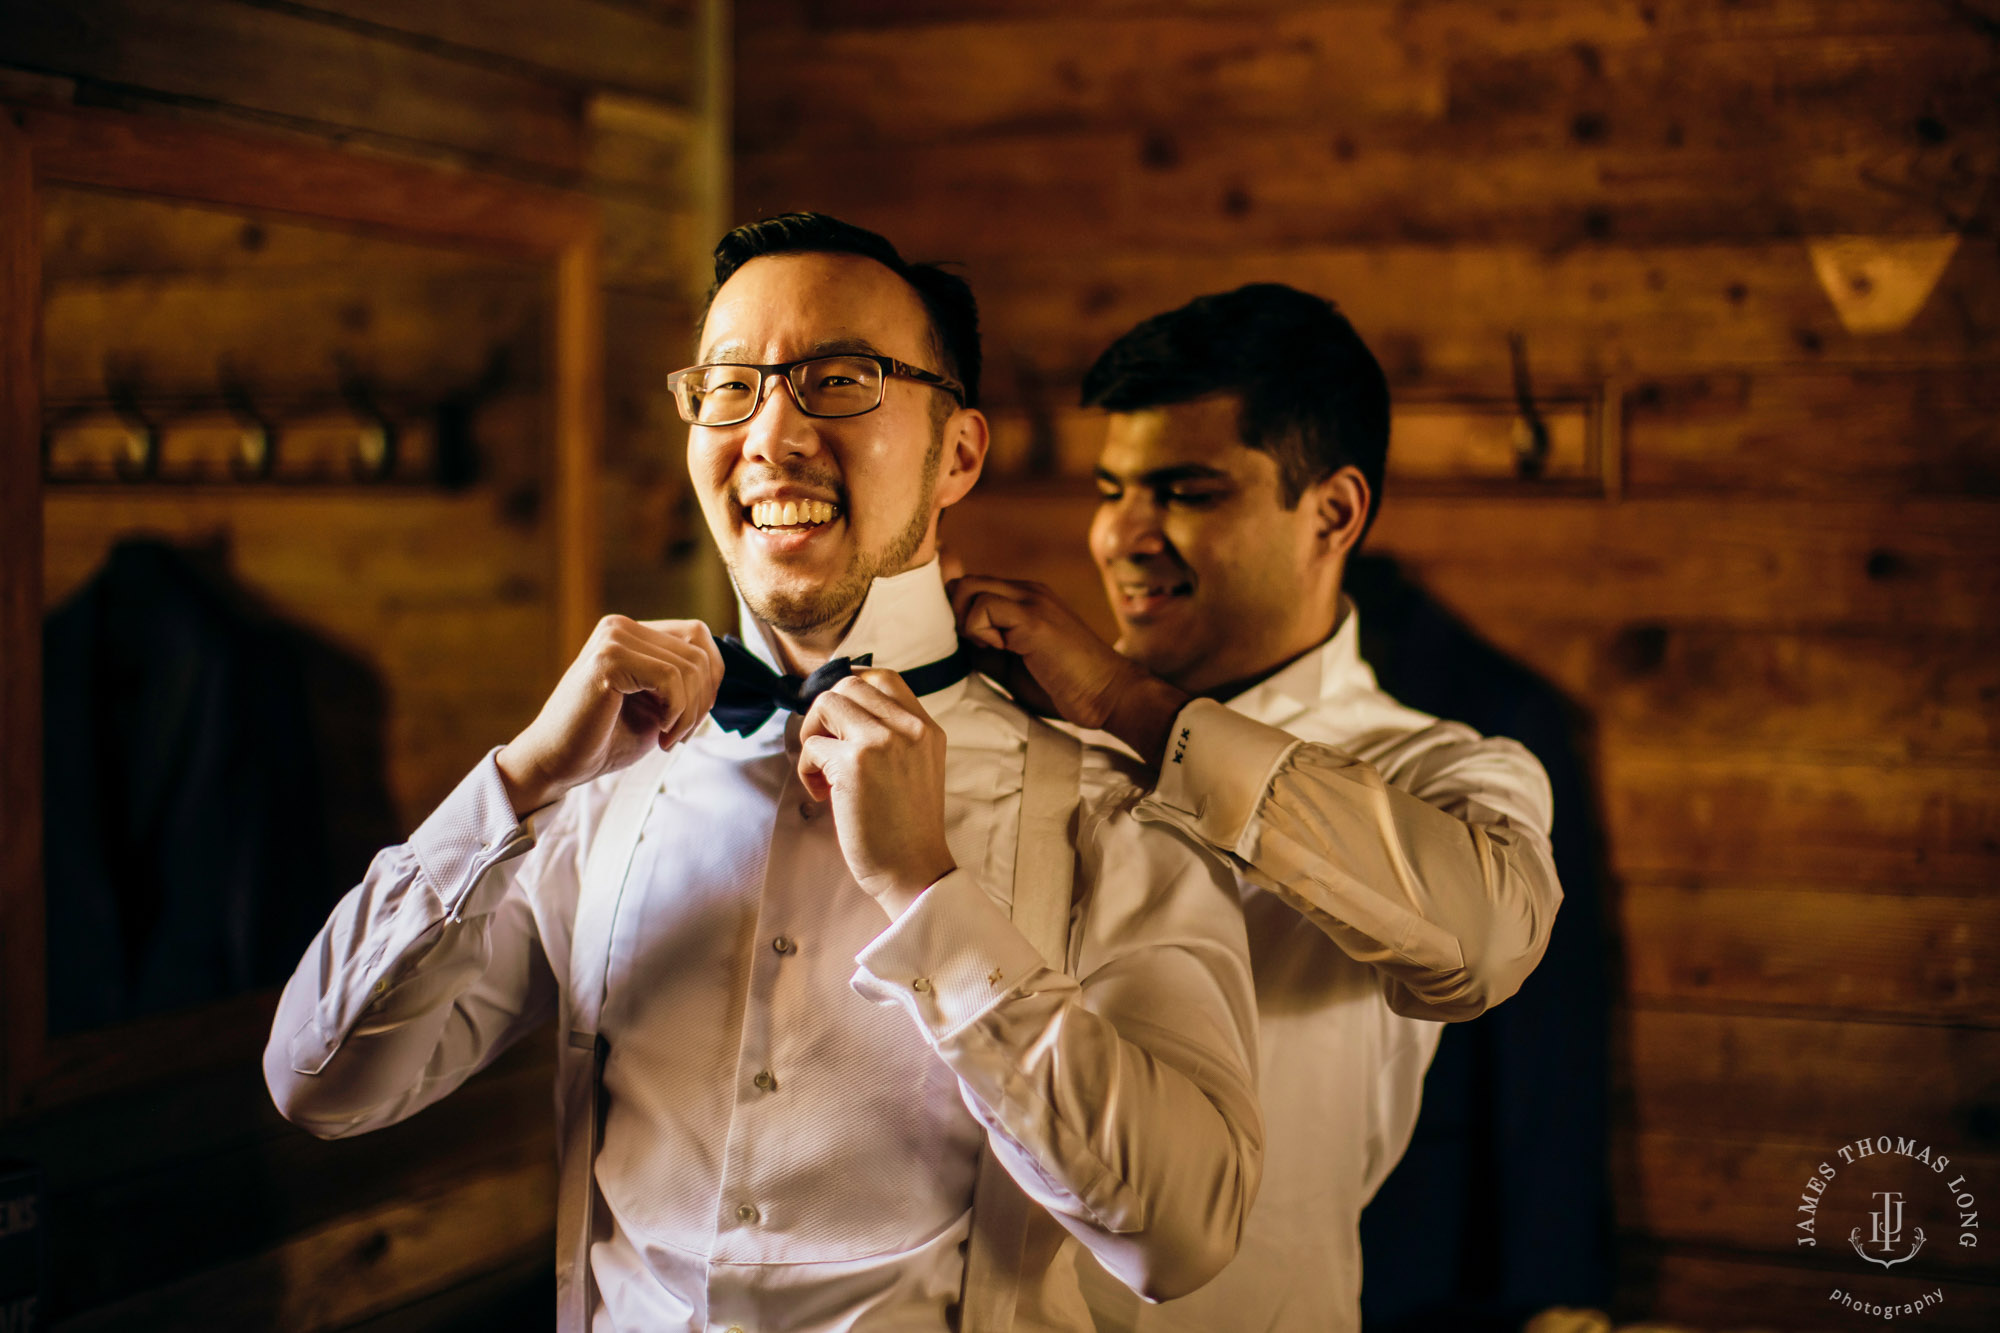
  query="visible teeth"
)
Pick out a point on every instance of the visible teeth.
point(790, 513)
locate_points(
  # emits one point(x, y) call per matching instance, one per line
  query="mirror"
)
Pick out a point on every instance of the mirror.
point(302, 434)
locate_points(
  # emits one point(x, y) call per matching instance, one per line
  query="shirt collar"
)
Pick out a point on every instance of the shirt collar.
point(905, 621)
point(1326, 672)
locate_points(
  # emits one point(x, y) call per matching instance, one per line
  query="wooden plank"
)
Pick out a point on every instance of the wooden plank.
point(1923, 958)
point(1672, 813)
point(285, 1183)
point(1780, 565)
point(1441, 316)
point(1096, 193)
point(586, 42)
point(1777, 566)
point(23, 1001)
point(579, 435)
point(1745, 1195)
point(1702, 1287)
point(1889, 696)
point(1904, 433)
point(1804, 1080)
point(360, 1265)
point(416, 337)
point(153, 155)
point(1532, 25)
point(1439, 442)
point(1656, 143)
point(1501, 78)
point(307, 72)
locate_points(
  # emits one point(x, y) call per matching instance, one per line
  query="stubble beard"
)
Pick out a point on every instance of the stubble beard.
point(811, 609)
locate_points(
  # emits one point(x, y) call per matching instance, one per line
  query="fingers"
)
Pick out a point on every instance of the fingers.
point(675, 663)
point(963, 591)
point(990, 618)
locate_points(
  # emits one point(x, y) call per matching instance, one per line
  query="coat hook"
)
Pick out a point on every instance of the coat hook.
point(256, 448)
point(1531, 433)
point(375, 447)
point(141, 459)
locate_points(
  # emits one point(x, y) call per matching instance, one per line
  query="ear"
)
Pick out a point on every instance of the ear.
point(966, 438)
point(1340, 510)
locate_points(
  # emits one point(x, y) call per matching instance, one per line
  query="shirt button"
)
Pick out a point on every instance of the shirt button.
point(746, 1213)
point(784, 944)
point(807, 809)
point(764, 1080)
point(921, 985)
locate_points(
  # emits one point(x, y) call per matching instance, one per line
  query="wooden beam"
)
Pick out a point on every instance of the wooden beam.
point(190, 162)
point(1804, 1080)
point(1781, 566)
point(23, 999)
point(584, 42)
point(304, 71)
point(1908, 433)
point(1911, 956)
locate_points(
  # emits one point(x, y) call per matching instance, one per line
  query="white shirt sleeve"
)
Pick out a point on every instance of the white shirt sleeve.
point(429, 968)
point(1448, 889)
point(1123, 1099)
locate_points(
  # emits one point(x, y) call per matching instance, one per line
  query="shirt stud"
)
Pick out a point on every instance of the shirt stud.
point(765, 1081)
point(807, 809)
point(922, 985)
point(994, 978)
point(784, 944)
point(746, 1213)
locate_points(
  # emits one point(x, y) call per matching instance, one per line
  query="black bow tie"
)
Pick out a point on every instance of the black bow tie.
point(752, 691)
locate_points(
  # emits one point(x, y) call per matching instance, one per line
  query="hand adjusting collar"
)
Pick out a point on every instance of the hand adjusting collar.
point(751, 691)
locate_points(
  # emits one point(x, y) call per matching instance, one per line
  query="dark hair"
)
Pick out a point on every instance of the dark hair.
point(947, 298)
point(1313, 396)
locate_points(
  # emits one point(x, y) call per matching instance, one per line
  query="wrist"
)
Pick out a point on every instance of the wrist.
point(1143, 715)
point(526, 790)
point(898, 893)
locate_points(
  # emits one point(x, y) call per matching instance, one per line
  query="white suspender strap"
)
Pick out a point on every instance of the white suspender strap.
point(1044, 863)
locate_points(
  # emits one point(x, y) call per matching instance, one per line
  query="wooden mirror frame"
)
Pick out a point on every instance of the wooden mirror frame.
point(167, 159)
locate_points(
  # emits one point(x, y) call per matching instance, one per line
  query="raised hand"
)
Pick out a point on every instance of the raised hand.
point(1054, 663)
point(635, 685)
point(868, 748)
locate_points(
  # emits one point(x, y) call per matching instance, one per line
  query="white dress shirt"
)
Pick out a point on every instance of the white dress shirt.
point(796, 1090)
point(1396, 873)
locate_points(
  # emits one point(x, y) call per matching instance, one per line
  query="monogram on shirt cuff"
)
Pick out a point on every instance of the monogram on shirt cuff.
point(951, 957)
point(1218, 766)
point(470, 831)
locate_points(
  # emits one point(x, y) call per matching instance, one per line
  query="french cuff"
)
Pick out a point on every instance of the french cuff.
point(951, 957)
point(471, 831)
point(1218, 766)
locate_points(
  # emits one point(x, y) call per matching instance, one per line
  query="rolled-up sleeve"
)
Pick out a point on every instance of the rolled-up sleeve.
point(426, 970)
point(1448, 888)
point(1121, 1099)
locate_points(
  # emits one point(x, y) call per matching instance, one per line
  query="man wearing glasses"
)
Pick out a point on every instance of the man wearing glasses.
point(776, 896)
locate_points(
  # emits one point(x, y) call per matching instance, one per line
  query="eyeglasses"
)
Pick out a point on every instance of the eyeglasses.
point(728, 394)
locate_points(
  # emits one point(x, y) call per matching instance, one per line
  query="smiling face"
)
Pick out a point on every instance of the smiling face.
point(807, 511)
point(1213, 581)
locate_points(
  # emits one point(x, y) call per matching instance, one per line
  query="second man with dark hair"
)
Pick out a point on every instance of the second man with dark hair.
point(1395, 868)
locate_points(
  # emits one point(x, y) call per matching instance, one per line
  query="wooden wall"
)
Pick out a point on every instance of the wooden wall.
point(1765, 566)
point(189, 1204)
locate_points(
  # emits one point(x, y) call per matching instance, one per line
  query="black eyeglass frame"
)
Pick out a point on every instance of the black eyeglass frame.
point(888, 365)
